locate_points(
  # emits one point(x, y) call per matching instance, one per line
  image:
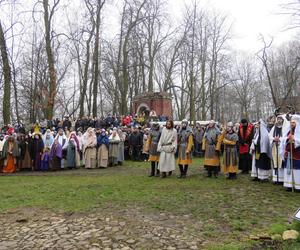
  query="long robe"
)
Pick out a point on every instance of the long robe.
point(90, 150)
point(262, 153)
point(292, 166)
point(121, 156)
point(55, 157)
point(102, 153)
point(114, 149)
point(167, 147)
point(24, 161)
point(10, 153)
point(71, 154)
point(245, 139)
point(36, 154)
point(278, 171)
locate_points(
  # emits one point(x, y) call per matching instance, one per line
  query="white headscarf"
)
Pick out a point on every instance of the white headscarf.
point(286, 128)
point(265, 146)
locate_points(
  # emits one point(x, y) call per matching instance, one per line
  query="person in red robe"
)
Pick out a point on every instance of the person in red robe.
point(246, 133)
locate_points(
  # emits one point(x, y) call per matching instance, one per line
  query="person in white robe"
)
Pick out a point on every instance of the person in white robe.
point(63, 141)
point(167, 147)
point(276, 135)
point(290, 151)
point(261, 153)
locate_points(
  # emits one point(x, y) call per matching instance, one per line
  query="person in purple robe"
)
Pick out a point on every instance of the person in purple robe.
point(37, 151)
point(55, 156)
point(45, 159)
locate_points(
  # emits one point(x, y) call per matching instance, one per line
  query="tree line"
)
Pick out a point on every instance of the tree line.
point(61, 58)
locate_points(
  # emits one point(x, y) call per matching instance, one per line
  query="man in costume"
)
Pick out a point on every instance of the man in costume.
point(151, 145)
point(276, 136)
point(230, 156)
point(246, 133)
point(262, 153)
point(167, 146)
point(291, 148)
point(211, 145)
point(198, 138)
point(136, 142)
point(185, 145)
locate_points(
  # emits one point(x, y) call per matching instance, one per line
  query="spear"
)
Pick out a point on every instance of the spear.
point(291, 163)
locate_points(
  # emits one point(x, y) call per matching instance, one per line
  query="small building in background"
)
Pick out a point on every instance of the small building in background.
point(153, 104)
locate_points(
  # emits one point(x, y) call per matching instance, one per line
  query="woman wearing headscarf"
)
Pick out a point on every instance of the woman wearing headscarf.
point(37, 151)
point(121, 156)
point(103, 145)
point(89, 148)
point(24, 161)
point(114, 141)
point(55, 156)
point(10, 152)
point(73, 151)
point(48, 138)
point(261, 152)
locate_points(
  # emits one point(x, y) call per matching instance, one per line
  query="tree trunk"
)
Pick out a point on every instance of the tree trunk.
point(51, 66)
point(7, 78)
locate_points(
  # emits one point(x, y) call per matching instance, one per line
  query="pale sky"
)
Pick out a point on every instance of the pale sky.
point(250, 19)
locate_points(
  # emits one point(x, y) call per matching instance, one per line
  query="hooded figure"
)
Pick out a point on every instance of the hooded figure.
point(290, 148)
point(2, 141)
point(37, 151)
point(114, 141)
point(121, 156)
point(24, 161)
point(103, 145)
point(89, 148)
point(73, 151)
point(185, 146)
point(10, 152)
point(63, 141)
point(55, 156)
point(48, 138)
point(261, 152)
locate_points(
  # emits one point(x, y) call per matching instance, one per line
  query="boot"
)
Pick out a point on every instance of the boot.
point(181, 172)
point(185, 169)
point(164, 175)
point(152, 170)
point(157, 173)
point(170, 173)
point(209, 172)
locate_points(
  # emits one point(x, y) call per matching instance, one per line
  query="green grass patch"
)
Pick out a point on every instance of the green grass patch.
point(229, 210)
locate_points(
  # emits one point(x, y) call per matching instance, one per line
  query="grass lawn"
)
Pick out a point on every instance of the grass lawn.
point(229, 210)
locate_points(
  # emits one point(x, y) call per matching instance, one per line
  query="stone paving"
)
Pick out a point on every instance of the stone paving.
point(124, 229)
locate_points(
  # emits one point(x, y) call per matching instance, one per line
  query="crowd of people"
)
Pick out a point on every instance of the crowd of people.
point(98, 143)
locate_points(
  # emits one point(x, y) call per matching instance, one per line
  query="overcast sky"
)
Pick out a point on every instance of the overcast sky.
point(250, 19)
